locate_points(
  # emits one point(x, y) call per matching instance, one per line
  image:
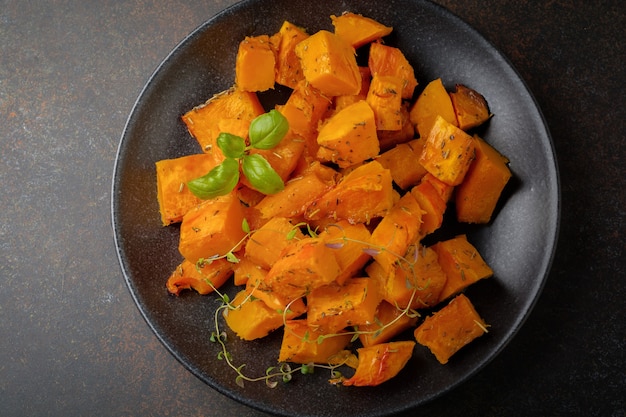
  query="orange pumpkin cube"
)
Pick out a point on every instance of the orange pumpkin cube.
point(300, 344)
point(253, 319)
point(390, 322)
point(344, 101)
point(363, 194)
point(451, 328)
point(385, 99)
point(255, 64)
point(304, 265)
point(298, 193)
point(402, 163)
point(462, 264)
point(203, 121)
point(433, 206)
point(265, 245)
point(334, 307)
point(212, 229)
point(397, 231)
point(347, 242)
point(304, 109)
point(476, 197)
point(433, 101)
point(349, 136)
point(329, 64)
point(359, 30)
point(388, 60)
point(172, 175)
point(288, 69)
point(418, 286)
point(448, 152)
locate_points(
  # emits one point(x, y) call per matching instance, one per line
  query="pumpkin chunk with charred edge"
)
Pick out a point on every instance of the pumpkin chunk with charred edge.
point(203, 278)
point(380, 363)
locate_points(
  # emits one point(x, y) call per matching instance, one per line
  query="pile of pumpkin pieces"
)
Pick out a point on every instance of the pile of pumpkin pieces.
point(367, 167)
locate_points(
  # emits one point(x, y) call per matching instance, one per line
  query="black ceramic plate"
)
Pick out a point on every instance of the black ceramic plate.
point(518, 244)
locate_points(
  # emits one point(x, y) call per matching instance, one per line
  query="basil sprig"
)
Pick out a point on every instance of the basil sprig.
point(265, 132)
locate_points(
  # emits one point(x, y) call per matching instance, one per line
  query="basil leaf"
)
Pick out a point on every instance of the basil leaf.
point(268, 129)
point(232, 146)
point(221, 180)
point(261, 175)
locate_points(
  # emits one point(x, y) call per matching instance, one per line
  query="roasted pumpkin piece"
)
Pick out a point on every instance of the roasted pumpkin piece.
point(298, 193)
point(203, 277)
point(349, 136)
point(388, 60)
point(359, 30)
point(470, 107)
point(288, 69)
point(334, 307)
point(304, 265)
point(416, 286)
point(265, 245)
point(212, 228)
point(397, 231)
point(256, 63)
point(448, 152)
point(380, 363)
point(476, 197)
point(433, 101)
point(347, 242)
point(304, 109)
point(203, 122)
point(252, 319)
point(302, 344)
point(389, 138)
point(390, 321)
point(444, 190)
point(245, 270)
point(362, 195)
point(402, 163)
point(433, 206)
point(342, 102)
point(385, 99)
point(329, 64)
point(173, 196)
point(462, 264)
point(451, 328)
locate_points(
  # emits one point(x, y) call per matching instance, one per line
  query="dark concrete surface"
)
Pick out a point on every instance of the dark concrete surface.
point(72, 343)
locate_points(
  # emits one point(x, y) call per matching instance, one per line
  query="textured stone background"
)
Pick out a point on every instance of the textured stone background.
point(73, 343)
